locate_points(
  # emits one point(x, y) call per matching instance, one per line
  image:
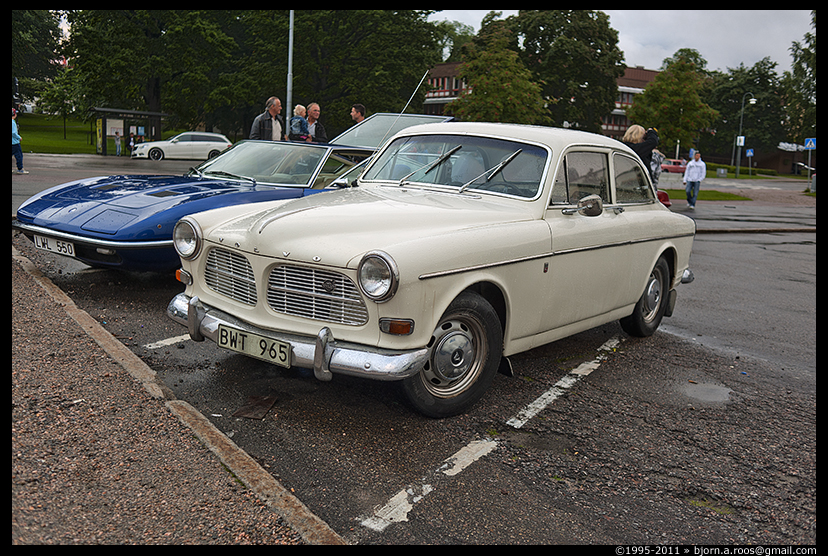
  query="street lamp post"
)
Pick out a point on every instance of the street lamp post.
point(739, 138)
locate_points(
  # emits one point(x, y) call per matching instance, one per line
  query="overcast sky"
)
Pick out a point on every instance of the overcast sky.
point(725, 38)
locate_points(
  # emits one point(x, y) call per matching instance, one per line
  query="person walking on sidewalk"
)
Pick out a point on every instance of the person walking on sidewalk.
point(17, 150)
point(693, 175)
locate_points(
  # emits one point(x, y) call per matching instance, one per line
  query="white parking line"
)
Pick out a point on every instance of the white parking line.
point(400, 504)
point(167, 342)
point(398, 507)
point(564, 384)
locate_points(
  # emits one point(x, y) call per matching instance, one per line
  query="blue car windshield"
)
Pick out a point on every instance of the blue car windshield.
point(268, 162)
point(463, 162)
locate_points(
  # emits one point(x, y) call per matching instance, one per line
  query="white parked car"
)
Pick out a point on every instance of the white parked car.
point(196, 145)
point(459, 245)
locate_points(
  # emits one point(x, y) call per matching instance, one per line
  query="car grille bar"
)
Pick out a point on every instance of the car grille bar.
point(315, 294)
point(230, 274)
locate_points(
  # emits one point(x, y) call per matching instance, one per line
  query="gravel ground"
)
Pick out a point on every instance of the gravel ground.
point(97, 460)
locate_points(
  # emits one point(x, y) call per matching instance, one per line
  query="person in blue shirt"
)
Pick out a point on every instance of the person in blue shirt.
point(693, 176)
point(17, 150)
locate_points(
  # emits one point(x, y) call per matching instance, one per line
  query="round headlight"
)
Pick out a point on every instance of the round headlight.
point(378, 276)
point(187, 238)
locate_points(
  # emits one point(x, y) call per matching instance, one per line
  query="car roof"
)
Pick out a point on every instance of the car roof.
point(556, 138)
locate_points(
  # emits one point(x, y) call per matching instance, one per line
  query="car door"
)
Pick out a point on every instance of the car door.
point(181, 146)
point(588, 272)
point(636, 197)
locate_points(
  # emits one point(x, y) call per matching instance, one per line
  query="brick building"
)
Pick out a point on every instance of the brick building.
point(447, 86)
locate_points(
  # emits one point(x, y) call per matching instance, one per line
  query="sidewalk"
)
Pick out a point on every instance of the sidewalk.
point(102, 453)
point(776, 206)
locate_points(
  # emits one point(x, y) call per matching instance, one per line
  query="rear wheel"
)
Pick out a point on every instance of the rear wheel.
point(464, 354)
point(650, 308)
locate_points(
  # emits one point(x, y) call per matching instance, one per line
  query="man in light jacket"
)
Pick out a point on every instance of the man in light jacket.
point(693, 175)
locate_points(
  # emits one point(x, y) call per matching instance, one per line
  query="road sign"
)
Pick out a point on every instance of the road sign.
point(810, 144)
point(749, 153)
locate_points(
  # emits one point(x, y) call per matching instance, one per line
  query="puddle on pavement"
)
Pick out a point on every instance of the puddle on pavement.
point(711, 393)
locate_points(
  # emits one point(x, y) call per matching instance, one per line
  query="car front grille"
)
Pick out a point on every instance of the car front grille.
point(230, 274)
point(315, 294)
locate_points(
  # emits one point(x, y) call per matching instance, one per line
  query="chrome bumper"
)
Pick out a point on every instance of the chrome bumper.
point(29, 229)
point(323, 353)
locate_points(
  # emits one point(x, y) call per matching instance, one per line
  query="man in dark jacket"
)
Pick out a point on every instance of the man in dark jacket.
point(269, 125)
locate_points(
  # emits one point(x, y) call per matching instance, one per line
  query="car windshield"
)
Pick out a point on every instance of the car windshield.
point(268, 162)
point(463, 162)
point(375, 129)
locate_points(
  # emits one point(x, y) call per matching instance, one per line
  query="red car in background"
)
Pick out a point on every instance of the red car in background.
point(673, 166)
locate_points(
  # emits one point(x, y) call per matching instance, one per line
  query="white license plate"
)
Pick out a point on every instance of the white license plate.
point(270, 350)
point(54, 245)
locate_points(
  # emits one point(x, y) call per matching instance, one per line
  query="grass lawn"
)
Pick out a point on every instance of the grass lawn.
point(706, 195)
point(45, 134)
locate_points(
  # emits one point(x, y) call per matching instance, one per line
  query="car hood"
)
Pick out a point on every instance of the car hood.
point(338, 228)
point(108, 205)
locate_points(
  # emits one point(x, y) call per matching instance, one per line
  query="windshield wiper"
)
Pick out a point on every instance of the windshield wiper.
point(197, 171)
point(494, 170)
point(433, 165)
point(229, 175)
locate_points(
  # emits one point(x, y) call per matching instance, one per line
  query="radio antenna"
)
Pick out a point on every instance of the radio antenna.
point(403, 110)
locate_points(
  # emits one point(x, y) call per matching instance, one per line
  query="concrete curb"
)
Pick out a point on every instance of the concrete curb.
point(756, 231)
point(298, 517)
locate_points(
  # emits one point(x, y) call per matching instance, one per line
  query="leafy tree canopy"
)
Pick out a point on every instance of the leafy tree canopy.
point(673, 104)
point(218, 67)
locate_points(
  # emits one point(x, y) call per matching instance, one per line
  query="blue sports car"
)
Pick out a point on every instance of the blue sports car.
point(127, 221)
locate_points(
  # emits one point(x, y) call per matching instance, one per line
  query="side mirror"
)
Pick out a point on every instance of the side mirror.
point(591, 205)
point(342, 183)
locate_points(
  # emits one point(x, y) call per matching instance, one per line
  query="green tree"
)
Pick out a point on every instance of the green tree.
point(452, 36)
point(761, 121)
point(35, 49)
point(673, 104)
point(59, 95)
point(574, 55)
point(799, 88)
point(154, 60)
point(371, 57)
point(502, 89)
point(218, 67)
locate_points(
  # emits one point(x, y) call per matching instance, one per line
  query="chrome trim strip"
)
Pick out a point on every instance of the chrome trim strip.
point(545, 255)
point(32, 229)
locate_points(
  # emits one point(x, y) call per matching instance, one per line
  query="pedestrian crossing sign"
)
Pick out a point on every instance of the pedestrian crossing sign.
point(810, 144)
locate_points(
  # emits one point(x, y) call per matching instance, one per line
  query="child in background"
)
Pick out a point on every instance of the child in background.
point(299, 125)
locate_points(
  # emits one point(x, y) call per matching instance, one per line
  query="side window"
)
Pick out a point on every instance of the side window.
point(581, 174)
point(631, 186)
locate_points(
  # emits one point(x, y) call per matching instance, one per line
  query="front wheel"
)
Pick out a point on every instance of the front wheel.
point(464, 355)
point(650, 308)
point(156, 154)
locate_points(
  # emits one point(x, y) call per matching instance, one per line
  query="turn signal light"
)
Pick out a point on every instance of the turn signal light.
point(397, 327)
point(183, 276)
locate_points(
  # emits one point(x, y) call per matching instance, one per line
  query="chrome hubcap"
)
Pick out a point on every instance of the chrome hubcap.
point(452, 356)
point(455, 361)
point(652, 297)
